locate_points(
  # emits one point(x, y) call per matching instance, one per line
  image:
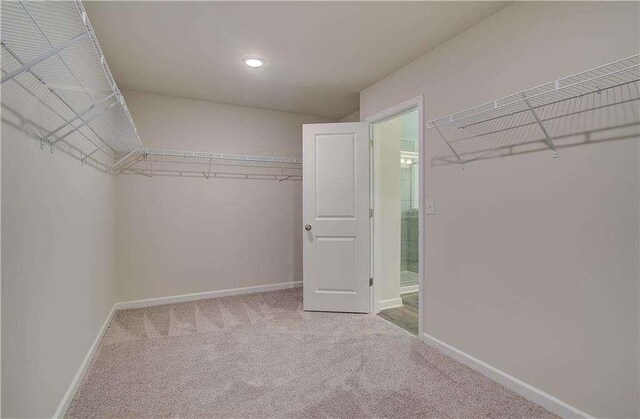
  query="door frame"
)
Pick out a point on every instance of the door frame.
point(415, 102)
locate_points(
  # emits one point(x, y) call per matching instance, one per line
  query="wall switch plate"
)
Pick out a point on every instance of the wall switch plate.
point(431, 206)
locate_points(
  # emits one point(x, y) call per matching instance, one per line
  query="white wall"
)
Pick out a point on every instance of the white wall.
point(184, 235)
point(58, 270)
point(532, 262)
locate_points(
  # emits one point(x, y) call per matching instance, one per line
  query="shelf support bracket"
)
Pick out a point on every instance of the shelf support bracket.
point(450, 147)
point(84, 122)
point(41, 58)
point(78, 116)
point(129, 165)
point(86, 156)
point(113, 166)
point(280, 178)
point(547, 139)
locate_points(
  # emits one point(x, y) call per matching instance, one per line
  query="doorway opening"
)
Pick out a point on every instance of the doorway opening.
point(397, 202)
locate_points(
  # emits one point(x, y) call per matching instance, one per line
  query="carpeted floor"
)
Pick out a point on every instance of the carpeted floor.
point(260, 355)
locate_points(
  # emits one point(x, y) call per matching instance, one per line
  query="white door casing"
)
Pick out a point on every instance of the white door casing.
point(336, 252)
point(391, 112)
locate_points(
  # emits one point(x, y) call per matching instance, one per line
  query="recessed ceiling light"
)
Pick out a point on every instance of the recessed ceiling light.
point(254, 62)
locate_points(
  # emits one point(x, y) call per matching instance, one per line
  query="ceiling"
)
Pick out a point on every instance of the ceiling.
point(319, 55)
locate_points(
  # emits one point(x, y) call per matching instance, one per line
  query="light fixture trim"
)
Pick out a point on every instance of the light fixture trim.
point(253, 61)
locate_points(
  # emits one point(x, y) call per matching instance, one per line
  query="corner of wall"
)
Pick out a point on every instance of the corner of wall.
point(352, 117)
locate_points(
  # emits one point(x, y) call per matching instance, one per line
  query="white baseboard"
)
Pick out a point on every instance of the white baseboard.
point(527, 391)
point(73, 387)
point(77, 379)
point(409, 288)
point(391, 303)
point(202, 295)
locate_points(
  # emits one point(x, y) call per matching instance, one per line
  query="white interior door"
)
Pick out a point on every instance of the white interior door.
point(336, 217)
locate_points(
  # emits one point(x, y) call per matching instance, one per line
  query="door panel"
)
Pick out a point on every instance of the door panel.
point(335, 175)
point(336, 209)
point(336, 264)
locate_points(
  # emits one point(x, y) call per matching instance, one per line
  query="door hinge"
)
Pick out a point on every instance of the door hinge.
point(371, 282)
point(370, 143)
point(370, 212)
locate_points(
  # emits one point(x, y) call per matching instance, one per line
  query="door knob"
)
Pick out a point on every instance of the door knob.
point(307, 227)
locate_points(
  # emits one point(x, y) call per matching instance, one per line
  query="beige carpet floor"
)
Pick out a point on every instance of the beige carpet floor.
point(260, 355)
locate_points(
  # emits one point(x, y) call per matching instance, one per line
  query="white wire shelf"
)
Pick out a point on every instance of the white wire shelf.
point(603, 98)
point(158, 162)
point(57, 86)
point(56, 83)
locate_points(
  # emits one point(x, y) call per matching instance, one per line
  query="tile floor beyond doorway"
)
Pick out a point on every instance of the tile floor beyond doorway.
point(406, 316)
point(408, 278)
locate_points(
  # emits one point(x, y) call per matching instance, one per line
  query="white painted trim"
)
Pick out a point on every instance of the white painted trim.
point(394, 110)
point(73, 387)
point(527, 391)
point(390, 303)
point(77, 379)
point(202, 295)
point(422, 225)
point(410, 288)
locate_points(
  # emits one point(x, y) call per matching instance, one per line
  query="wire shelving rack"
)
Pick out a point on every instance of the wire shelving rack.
point(158, 162)
point(57, 85)
point(605, 97)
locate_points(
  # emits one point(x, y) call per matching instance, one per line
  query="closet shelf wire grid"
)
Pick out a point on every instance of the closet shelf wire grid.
point(601, 98)
point(56, 83)
point(158, 162)
point(57, 86)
